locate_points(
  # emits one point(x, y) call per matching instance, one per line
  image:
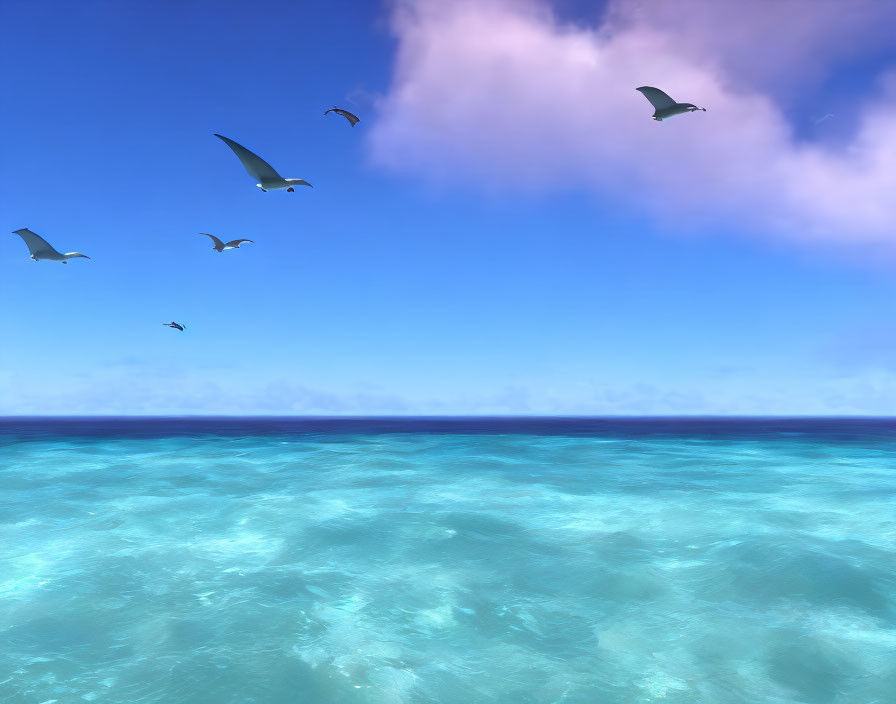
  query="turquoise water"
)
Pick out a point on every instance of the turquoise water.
point(459, 561)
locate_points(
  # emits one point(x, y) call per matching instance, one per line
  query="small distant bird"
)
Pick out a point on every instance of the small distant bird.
point(176, 326)
point(663, 105)
point(41, 249)
point(352, 119)
point(262, 171)
point(220, 246)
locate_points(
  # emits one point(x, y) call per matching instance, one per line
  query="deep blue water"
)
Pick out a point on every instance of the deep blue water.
point(448, 560)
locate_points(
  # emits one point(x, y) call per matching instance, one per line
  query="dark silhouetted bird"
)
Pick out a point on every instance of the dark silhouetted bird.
point(352, 119)
point(220, 246)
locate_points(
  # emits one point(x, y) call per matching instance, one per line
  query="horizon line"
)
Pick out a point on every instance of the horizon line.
point(225, 416)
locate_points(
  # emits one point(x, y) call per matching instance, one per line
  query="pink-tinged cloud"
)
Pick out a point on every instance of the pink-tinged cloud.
point(784, 45)
point(503, 96)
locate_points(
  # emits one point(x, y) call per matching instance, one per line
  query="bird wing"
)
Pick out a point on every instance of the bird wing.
point(234, 243)
point(353, 119)
point(218, 243)
point(36, 243)
point(657, 98)
point(257, 167)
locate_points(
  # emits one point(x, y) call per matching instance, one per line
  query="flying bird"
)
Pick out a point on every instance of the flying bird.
point(663, 105)
point(352, 119)
point(176, 326)
point(220, 246)
point(262, 171)
point(41, 249)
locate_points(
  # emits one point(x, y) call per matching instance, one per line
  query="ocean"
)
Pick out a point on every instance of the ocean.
point(396, 561)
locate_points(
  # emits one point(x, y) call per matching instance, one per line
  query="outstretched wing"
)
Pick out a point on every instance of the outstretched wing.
point(657, 98)
point(352, 119)
point(257, 167)
point(234, 243)
point(36, 244)
point(218, 243)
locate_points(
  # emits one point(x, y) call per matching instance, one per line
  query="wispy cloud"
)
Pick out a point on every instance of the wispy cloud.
point(747, 391)
point(505, 96)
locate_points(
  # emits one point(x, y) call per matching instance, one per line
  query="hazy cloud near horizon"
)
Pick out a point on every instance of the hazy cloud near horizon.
point(506, 96)
point(868, 393)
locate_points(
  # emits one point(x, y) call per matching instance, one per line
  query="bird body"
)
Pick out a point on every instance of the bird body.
point(176, 326)
point(268, 179)
point(663, 105)
point(352, 119)
point(41, 249)
point(220, 246)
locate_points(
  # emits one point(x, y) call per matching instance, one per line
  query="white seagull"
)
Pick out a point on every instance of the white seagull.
point(220, 246)
point(41, 249)
point(262, 171)
point(663, 105)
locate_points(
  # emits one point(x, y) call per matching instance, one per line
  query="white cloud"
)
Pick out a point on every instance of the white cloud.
point(504, 96)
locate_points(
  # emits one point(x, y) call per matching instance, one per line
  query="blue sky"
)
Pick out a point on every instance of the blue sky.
point(385, 289)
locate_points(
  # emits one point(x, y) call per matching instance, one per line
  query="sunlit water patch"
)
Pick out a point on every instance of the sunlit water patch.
point(267, 563)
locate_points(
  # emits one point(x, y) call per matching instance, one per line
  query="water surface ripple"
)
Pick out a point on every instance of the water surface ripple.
point(389, 561)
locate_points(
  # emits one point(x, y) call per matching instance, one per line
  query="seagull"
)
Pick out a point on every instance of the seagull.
point(664, 105)
point(176, 326)
point(41, 249)
point(259, 169)
point(352, 119)
point(220, 246)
